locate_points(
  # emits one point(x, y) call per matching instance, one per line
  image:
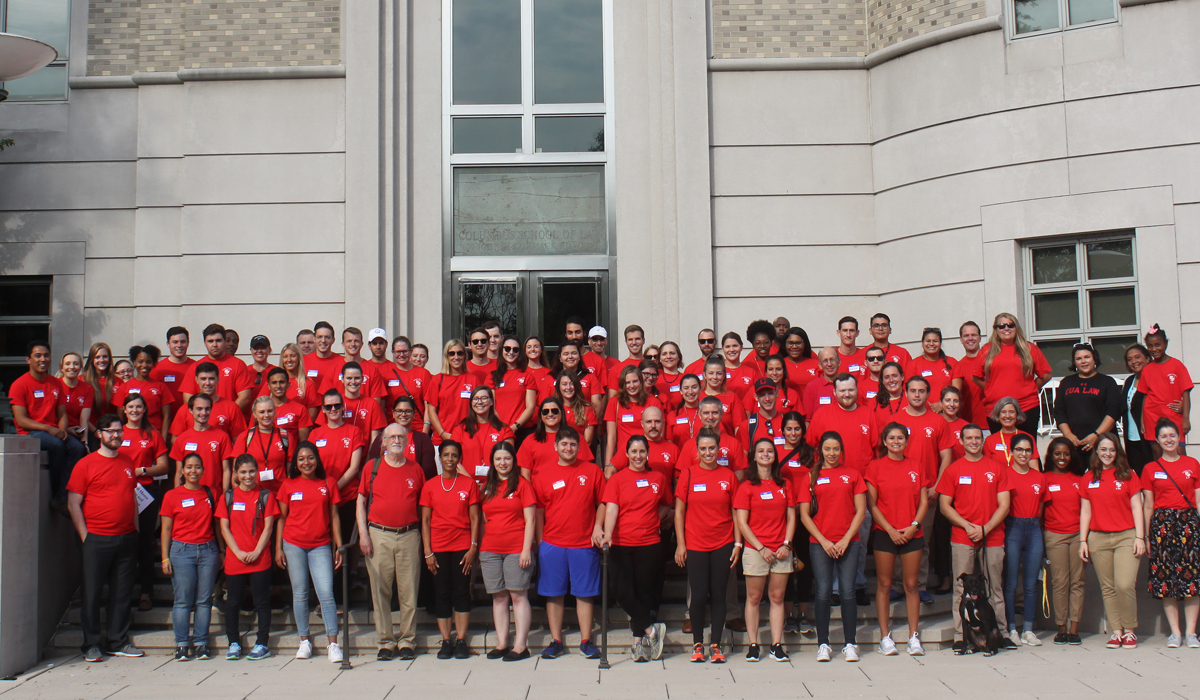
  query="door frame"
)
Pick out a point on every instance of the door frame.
point(530, 295)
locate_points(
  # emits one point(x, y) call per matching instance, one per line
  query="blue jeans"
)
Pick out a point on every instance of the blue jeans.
point(1023, 547)
point(194, 570)
point(62, 456)
point(824, 569)
point(316, 563)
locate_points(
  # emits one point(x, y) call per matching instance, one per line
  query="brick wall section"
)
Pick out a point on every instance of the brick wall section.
point(788, 28)
point(125, 36)
point(895, 21)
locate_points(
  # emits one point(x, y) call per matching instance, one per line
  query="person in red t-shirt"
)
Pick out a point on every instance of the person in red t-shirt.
point(176, 366)
point(841, 504)
point(303, 385)
point(664, 455)
point(450, 526)
point(818, 392)
point(479, 364)
point(623, 416)
point(225, 414)
point(707, 342)
point(973, 410)
point(1008, 416)
point(235, 382)
point(342, 447)
point(761, 336)
point(974, 495)
point(765, 510)
point(851, 358)
point(213, 445)
point(389, 536)
point(1023, 545)
point(801, 360)
point(739, 376)
point(670, 372)
point(308, 543)
point(39, 406)
point(103, 509)
point(373, 386)
point(1167, 386)
point(1012, 366)
point(933, 366)
point(716, 385)
point(506, 554)
point(1061, 533)
point(1170, 498)
point(570, 358)
point(514, 387)
point(1112, 530)
point(478, 433)
point(881, 333)
point(636, 500)
point(708, 544)
point(290, 415)
point(448, 400)
point(952, 404)
point(541, 448)
point(81, 397)
point(731, 452)
point(358, 409)
point(322, 365)
point(578, 411)
point(898, 497)
point(406, 378)
point(635, 341)
point(271, 445)
point(247, 515)
point(159, 397)
point(856, 424)
point(929, 442)
point(787, 399)
point(190, 557)
point(148, 452)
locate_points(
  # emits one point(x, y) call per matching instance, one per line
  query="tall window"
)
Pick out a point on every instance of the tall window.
point(1032, 17)
point(1083, 290)
point(24, 317)
point(48, 21)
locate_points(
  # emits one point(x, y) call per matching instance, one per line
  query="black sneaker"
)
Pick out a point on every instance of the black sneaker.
point(1008, 644)
point(447, 650)
point(461, 650)
point(181, 654)
point(202, 652)
point(385, 654)
point(1060, 638)
point(406, 653)
point(860, 597)
point(497, 653)
point(778, 653)
point(960, 648)
point(1074, 640)
point(516, 655)
point(752, 652)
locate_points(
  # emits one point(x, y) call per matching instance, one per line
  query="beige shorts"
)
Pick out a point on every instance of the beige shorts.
point(753, 564)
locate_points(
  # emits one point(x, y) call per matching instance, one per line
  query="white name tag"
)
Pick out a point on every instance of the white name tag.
point(699, 488)
point(823, 480)
point(281, 421)
point(723, 461)
point(626, 418)
point(1160, 475)
point(559, 484)
point(854, 368)
point(239, 506)
point(481, 469)
point(681, 421)
point(778, 439)
point(766, 496)
point(825, 400)
point(188, 502)
point(674, 389)
point(347, 414)
point(728, 375)
point(125, 443)
point(872, 394)
point(793, 463)
point(964, 480)
point(39, 394)
point(266, 475)
point(312, 373)
point(642, 483)
point(927, 373)
point(322, 442)
point(1054, 487)
point(464, 394)
point(135, 391)
point(190, 446)
point(144, 499)
point(169, 378)
point(297, 496)
point(501, 385)
point(393, 382)
point(1094, 485)
point(1000, 447)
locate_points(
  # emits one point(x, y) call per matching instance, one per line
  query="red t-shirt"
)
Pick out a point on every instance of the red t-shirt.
point(1162, 384)
point(857, 428)
point(799, 374)
point(232, 377)
point(1061, 515)
point(212, 445)
point(796, 474)
point(729, 454)
point(106, 484)
point(1028, 492)
point(534, 455)
point(835, 491)
point(741, 380)
point(363, 413)
point(373, 384)
point(855, 364)
point(972, 409)
point(192, 512)
point(939, 373)
point(292, 417)
point(400, 382)
point(510, 395)
point(818, 394)
point(1008, 378)
point(637, 496)
point(309, 397)
point(477, 449)
point(337, 446)
point(308, 522)
point(786, 400)
point(996, 446)
point(764, 428)
point(897, 354)
point(868, 389)
point(450, 396)
point(732, 413)
point(397, 492)
point(143, 448)
point(664, 456)
point(628, 420)
point(599, 368)
point(974, 487)
point(928, 435)
point(270, 453)
point(323, 371)
point(1111, 511)
point(40, 399)
point(696, 368)
point(589, 420)
point(1156, 478)
point(955, 429)
point(172, 374)
point(504, 518)
point(898, 488)
point(569, 496)
point(767, 504)
point(450, 500)
point(481, 372)
point(668, 387)
point(682, 425)
point(613, 373)
point(246, 525)
point(155, 393)
point(708, 495)
point(81, 397)
point(225, 416)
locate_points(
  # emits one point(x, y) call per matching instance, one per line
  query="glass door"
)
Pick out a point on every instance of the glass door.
point(486, 297)
point(529, 302)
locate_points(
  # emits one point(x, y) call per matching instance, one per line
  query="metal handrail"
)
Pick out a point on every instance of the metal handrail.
point(344, 550)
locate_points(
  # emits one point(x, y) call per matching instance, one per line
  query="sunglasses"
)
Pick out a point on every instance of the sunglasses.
point(875, 359)
point(332, 407)
point(478, 341)
point(550, 411)
point(456, 353)
point(1004, 326)
point(512, 350)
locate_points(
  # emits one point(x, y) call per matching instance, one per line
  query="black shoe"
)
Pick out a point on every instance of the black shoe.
point(181, 654)
point(202, 652)
point(1008, 644)
point(516, 655)
point(447, 650)
point(1074, 640)
point(1060, 638)
point(959, 648)
point(461, 650)
point(835, 600)
point(385, 654)
point(752, 652)
point(406, 653)
point(860, 597)
point(497, 653)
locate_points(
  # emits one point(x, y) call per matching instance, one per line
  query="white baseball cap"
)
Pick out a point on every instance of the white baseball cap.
point(597, 331)
point(376, 333)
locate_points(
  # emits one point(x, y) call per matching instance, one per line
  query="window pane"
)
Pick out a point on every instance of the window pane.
point(44, 20)
point(1058, 354)
point(1112, 353)
point(1081, 11)
point(1054, 265)
point(14, 337)
point(569, 134)
point(1056, 311)
point(489, 301)
point(49, 83)
point(529, 210)
point(568, 58)
point(1112, 307)
point(487, 52)
point(487, 135)
point(1110, 259)
point(25, 299)
point(1035, 15)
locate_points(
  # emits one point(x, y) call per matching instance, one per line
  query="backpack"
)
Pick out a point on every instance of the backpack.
point(260, 508)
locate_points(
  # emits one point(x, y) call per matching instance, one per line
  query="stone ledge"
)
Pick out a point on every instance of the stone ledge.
point(187, 75)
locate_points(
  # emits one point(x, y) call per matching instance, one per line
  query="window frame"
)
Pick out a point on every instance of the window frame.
point(1064, 16)
point(47, 320)
point(59, 61)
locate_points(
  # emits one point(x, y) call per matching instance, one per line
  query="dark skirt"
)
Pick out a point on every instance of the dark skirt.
point(1174, 557)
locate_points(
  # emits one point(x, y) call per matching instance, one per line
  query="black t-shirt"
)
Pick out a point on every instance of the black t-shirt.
point(1083, 403)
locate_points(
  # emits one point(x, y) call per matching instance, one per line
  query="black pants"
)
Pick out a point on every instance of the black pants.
point(708, 576)
point(637, 575)
point(235, 590)
point(1030, 425)
point(149, 552)
point(112, 560)
point(451, 587)
point(1138, 452)
point(939, 548)
point(800, 583)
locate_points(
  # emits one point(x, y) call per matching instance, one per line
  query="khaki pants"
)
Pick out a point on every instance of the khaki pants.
point(1066, 576)
point(962, 559)
point(396, 560)
point(1116, 567)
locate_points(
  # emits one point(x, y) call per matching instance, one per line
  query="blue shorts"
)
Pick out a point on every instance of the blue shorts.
point(562, 571)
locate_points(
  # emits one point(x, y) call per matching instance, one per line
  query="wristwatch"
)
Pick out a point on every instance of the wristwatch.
point(915, 524)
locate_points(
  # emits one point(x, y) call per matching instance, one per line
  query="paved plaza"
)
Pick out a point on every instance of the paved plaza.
point(1150, 672)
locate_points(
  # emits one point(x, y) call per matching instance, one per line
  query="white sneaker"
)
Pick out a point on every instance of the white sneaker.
point(1015, 636)
point(335, 653)
point(1173, 641)
point(887, 647)
point(824, 653)
point(1031, 639)
point(305, 650)
point(914, 646)
point(850, 651)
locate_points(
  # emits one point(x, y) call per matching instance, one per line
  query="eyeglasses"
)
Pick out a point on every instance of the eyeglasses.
point(388, 438)
point(512, 350)
point(332, 407)
point(550, 411)
point(403, 412)
point(1004, 326)
point(112, 431)
point(1022, 450)
point(828, 360)
point(478, 341)
point(482, 398)
point(456, 353)
point(881, 326)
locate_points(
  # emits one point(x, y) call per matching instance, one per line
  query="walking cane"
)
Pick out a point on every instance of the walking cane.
point(345, 552)
point(604, 611)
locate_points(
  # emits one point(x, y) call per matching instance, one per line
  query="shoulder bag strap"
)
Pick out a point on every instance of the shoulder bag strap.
point(1176, 485)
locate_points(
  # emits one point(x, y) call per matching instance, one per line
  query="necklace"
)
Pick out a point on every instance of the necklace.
point(452, 483)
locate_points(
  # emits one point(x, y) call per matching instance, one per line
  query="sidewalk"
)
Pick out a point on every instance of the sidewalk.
point(1151, 671)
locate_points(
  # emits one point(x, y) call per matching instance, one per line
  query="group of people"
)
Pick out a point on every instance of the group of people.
point(786, 462)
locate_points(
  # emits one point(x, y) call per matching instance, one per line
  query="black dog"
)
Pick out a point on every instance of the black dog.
point(980, 629)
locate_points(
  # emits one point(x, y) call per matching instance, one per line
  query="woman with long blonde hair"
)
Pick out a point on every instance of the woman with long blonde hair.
point(449, 399)
point(1015, 367)
point(100, 372)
